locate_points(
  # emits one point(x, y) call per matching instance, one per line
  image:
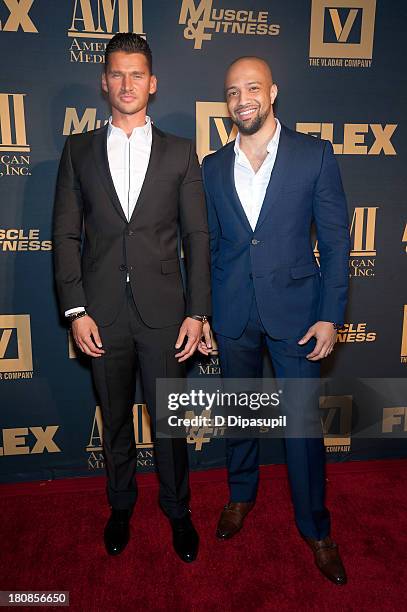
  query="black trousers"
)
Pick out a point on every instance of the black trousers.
point(129, 345)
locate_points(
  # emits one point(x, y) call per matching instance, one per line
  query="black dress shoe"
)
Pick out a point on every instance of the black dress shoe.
point(117, 531)
point(185, 538)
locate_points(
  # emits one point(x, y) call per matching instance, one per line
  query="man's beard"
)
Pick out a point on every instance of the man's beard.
point(255, 125)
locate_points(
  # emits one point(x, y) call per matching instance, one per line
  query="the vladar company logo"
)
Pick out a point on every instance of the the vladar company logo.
point(336, 421)
point(202, 21)
point(14, 16)
point(214, 127)
point(94, 22)
point(14, 148)
point(16, 361)
point(342, 33)
point(142, 435)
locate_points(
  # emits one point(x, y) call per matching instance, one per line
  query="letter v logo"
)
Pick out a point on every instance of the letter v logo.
point(345, 16)
point(342, 32)
point(4, 341)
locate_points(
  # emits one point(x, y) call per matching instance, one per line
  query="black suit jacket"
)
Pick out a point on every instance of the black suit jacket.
point(95, 247)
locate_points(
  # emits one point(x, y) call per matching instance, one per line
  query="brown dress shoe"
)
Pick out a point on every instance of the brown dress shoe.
point(327, 559)
point(231, 519)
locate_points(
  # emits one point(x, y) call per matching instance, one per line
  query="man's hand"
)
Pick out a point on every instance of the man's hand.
point(206, 344)
point(191, 329)
point(325, 333)
point(86, 336)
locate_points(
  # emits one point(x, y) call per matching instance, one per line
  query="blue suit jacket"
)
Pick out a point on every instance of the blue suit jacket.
point(292, 291)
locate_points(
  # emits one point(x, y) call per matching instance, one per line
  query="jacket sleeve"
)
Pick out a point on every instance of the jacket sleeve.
point(332, 225)
point(213, 222)
point(67, 234)
point(195, 240)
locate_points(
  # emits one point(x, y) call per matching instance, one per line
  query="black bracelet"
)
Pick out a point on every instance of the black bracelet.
point(202, 318)
point(76, 315)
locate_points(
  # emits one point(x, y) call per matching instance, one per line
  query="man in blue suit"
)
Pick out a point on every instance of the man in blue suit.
point(263, 192)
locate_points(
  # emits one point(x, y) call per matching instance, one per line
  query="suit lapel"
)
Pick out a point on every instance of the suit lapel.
point(99, 147)
point(230, 187)
point(153, 170)
point(278, 176)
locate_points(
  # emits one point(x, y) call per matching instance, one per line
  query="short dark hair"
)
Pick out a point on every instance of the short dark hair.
point(129, 43)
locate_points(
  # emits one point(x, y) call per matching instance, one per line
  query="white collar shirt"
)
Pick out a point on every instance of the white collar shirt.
point(128, 158)
point(251, 186)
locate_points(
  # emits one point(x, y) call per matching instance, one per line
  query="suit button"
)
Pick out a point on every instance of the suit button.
point(122, 268)
point(130, 233)
point(254, 242)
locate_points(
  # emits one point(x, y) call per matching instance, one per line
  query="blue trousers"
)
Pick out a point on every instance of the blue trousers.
point(242, 358)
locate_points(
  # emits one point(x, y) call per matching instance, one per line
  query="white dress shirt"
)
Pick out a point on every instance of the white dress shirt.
point(128, 158)
point(250, 185)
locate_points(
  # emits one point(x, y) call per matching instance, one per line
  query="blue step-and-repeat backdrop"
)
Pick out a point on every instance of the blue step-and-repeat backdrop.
point(340, 66)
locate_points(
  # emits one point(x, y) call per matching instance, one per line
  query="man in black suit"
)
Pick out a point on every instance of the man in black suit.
point(123, 193)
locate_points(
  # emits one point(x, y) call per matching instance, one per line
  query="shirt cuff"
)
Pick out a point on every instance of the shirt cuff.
point(74, 310)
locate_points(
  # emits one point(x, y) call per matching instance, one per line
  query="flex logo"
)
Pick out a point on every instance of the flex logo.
point(15, 347)
point(214, 127)
point(18, 16)
point(342, 33)
point(15, 441)
point(394, 420)
point(357, 138)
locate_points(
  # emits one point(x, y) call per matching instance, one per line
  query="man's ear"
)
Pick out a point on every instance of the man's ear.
point(153, 84)
point(273, 92)
point(104, 82)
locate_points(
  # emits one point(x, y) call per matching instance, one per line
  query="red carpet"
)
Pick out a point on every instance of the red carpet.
point(51, 539)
